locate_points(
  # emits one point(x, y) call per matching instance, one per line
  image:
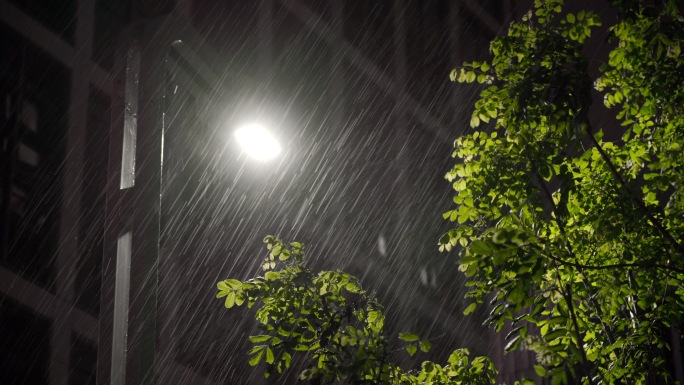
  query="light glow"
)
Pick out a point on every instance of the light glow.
point(257, 142)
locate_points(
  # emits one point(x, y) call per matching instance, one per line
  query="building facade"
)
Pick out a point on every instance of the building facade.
point(359, 92)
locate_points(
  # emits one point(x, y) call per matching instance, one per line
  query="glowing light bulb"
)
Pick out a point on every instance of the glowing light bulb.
point(257, 142)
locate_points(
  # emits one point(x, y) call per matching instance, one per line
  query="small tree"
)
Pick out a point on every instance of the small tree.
point(575, 241)
point(580, 237)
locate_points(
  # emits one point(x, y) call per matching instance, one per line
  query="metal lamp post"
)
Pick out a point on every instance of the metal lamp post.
point(134, 331)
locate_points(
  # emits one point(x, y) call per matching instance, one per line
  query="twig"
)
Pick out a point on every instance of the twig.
point(617, 265)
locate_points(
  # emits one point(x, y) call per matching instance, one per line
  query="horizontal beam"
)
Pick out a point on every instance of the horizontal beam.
point(54, 45)
point(47, 304)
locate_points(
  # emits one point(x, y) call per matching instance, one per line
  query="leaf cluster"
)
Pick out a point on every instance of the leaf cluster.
point(334, 325)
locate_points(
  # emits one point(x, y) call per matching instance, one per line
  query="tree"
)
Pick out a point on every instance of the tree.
point(330, 319)
point(575, 241)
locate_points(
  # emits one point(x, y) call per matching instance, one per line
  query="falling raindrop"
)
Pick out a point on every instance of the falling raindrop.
point(382, 245)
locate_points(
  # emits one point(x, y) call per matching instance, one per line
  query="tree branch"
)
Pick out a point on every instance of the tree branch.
point(654, 221)
point(568, 245)
point(586, 364)
point(554, 208)
point(617, 265)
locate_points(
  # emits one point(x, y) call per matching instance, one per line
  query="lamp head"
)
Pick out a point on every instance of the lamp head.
point(257, 142)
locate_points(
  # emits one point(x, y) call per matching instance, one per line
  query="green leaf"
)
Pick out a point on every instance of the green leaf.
point(541, 372)
point(353, 288)
point(408, 337)
point(470, 308)
point(454, 215)
point(270, 357)
point(425, 346)
point(513, 344)
point(271, 275)
point(481, 247)
point(428, 367)
point(373, 315)
point(555, 335)
point(453, 75)
point(222, 285)
point(230, 300)
point(412, 349)
point(470, 76)
point(257, 357)
point(474, 121)
point(260, 338)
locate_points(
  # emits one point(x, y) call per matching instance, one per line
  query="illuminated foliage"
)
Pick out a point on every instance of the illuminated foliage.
point(338, 327)
point(576, 236)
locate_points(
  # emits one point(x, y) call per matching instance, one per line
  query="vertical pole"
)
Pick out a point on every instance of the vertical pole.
point(128, 319)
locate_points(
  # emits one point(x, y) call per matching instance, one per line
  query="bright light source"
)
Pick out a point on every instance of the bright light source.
point(257, 142)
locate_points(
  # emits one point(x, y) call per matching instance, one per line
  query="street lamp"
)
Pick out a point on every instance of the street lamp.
point(136, 323)
point(257, 142)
